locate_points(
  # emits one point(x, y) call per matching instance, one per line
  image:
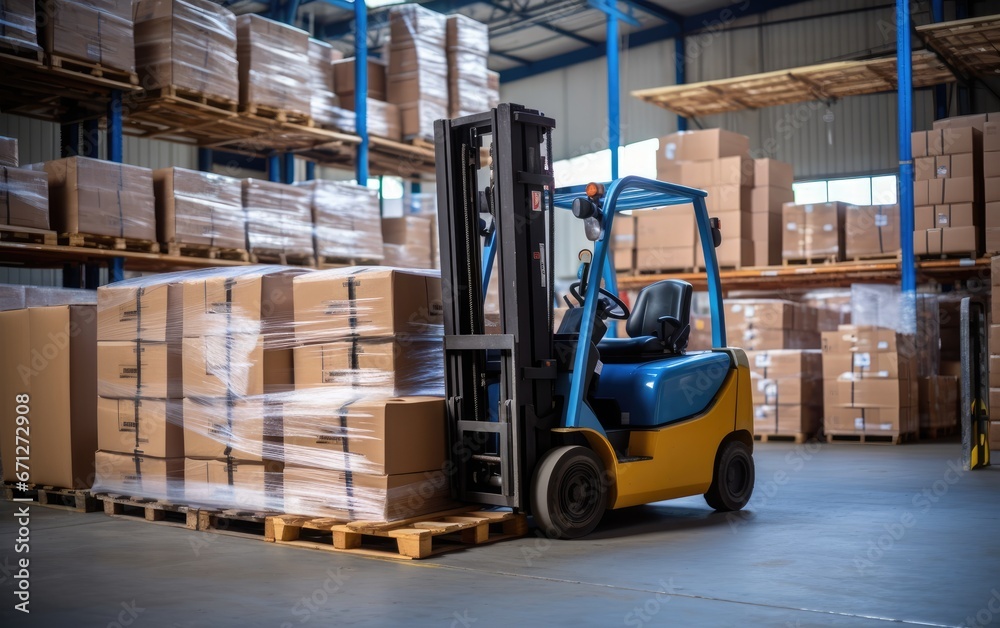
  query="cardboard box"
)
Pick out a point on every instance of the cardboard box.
point(149, 427)
point(246, 429)
point(958, 165)
point(98, 197)
point(767, 339)
point(147, 309)
point(344, 75)
point(923, 168)
point(992, 187)
point(190, 45)
point(879, 421)
point(271, 57)
point(232, 484)
point(760, 313)
point(991, 165)
point(623, 259)
point(147, 370)
point(397, 366)
point(871, 230)
point(957, 215)
point(466, 33)
point(957, 240)
point(623, 232)
point(786, 419)
point(765, 232)
point(976, 121)
point(254, 301)
point(702, 145)
point(24, 198)
point(94, 34)
point(199, 208)
point(8, 145)
point(236, 363)
point(877, 393)
point(773, 173)
point(734, 252)
point(666, 258)
point(379, 436)
point(415, 23)
point(961, 140)
point(929, 192)
point(813, 230)
point(960, 190)
point(728, 198)
point(139, 476)
point(769, 199)
point(372, 497)
point(49, 358)
point(366, 301)
point(666, 227)
point(279, 217)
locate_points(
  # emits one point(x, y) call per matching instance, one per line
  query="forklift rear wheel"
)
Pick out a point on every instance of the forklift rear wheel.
point(569, 494)
point(732, 484)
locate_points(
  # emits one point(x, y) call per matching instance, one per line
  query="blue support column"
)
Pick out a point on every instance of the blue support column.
point(69, 140)
point(361, 87)
point(614, 95)
point(205, 158)
point(288, 168)
point(680, 74)
point(115, 127)
point(940, 91)
point(310, 170)
point(274, 168)
point(905, 104)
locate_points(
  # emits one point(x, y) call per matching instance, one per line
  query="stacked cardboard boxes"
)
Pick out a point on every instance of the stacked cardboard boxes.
point(271, 58)
point(409, 241)
point(199, 208)
point(871, 231)
point(994, 346)
point(97, 197)
point(24, 195)
point(49, 381)
point(869, 382)
point(8, 152)
point(189, 45)
point(938, 404)
point(17, 26)
point(623, 242)
point(279, 218)
point(813, 231)
point(492, 88)
point(787, 391)
point(347, 220)
point(17, 297)
point(367, 342)
point(947, 191)
point(139, 386)
point(991, 182)
point(769, 324)
point(98, 34)
point(383, 117)
point(468, 47)
point(324, 104)
point(417, 77)
point(717, 161)
point(772, 189)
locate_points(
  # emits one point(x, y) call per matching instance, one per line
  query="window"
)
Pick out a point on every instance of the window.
point(636, 159)
point(875, 190)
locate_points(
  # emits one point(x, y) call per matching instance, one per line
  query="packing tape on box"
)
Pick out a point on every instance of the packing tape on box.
point(309, 392)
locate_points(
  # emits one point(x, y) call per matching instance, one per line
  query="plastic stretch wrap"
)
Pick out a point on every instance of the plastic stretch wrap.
point(787, 391)
point(887, 307)
point(346, 218)
point(324, 104)
point(384, 120)
point(188, 44)
point(344, 75)
point(17, 25)
point(308, 392)
point(98, 197)
point(16, 297)
point(278, 217)
point(24, 198)
point(493, 88)
point(271, 57)
point(417, 76)
point(467, 83)
point(833, 305)
point(409, 241)
point(8, 152)
point(94, 32)
point(200, 208)
point(757, 324)
point(464, 33)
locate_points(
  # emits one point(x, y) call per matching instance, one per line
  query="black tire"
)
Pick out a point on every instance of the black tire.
point(569, 492)
point(732, 483)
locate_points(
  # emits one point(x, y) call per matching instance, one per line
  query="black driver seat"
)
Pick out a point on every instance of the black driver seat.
point(658, 326)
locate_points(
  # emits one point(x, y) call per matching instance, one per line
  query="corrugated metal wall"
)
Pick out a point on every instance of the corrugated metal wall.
point(861, 137)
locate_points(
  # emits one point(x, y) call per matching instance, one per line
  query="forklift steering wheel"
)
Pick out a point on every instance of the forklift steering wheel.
point(614, 308)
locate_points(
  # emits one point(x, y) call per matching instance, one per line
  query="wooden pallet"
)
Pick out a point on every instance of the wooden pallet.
point(665, 271)
point(77, 500)
point(28, 235)
point(147, 509)
point(93, 69)
point(234, 522)
point(173, 92)
point(28, 51)
point(798, 439)
point(938, 432)
point(876, 257)
point(265, 256)
point(968, 255)
point(418, 537)
point(810, 261)
point(889, 438)
point(115, 243)
point(420, 142)
point(181, 249)
point(337, 261)
point(278, 115)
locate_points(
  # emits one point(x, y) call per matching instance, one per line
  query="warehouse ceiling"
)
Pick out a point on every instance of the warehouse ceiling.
point(527, 37)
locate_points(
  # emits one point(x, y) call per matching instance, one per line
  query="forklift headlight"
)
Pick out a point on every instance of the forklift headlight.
point(592, 227)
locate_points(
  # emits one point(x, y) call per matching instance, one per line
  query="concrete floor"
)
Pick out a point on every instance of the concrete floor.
point(835, 535)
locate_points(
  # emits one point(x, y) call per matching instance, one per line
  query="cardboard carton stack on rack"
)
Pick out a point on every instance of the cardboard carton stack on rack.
point(198, 209)
point(272, 57)
point(383, 117)
point(948, 187)
point(991, 182)
point(813, 231)
point(719, 162)
point(17, 27)
point(187, 46)
point(324, 104)
point(772, 189)
point(468, 48)
point(417, 76)
point(279, 220)
point(24, 192)
point(346, 221)
point(994, 345)
point(871, 231)
point(409, 241)
point(88, 34)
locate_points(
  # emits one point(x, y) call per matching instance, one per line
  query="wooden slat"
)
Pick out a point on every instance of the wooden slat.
point(971, 46)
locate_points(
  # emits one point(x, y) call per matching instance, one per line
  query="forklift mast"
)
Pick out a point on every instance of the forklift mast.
point(500, 387)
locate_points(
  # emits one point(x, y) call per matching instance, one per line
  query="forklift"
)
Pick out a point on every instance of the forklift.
point(567, 423)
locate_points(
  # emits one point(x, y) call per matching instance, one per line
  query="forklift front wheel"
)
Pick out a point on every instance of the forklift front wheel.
point(569, 494)
point(732, 484)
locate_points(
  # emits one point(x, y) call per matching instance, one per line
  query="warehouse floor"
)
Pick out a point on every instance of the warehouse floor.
point(835, 535)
